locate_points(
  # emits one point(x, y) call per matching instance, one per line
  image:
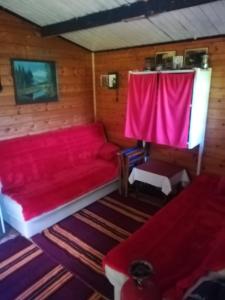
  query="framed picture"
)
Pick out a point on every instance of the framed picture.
point(165, 59)
point(194, 57)
point(34, 81)
point(110, 80)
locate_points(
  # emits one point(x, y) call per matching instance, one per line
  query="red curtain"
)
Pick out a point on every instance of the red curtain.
point(158, 108)
point(173, 109)
point(142, 93)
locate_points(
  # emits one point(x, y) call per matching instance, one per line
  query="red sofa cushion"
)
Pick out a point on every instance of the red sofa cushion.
point(27, 159)
point(183, 241)
point(221, 186)
point(46, 194)
point(44, 171)
point(108, 151)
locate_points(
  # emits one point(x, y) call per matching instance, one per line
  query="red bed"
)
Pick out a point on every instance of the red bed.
point(183, 242)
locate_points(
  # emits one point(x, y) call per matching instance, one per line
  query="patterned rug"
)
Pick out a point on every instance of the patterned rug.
point(81, 241)
point(27, 273)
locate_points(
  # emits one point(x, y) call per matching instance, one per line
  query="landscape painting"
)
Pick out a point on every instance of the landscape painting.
point(34, 81)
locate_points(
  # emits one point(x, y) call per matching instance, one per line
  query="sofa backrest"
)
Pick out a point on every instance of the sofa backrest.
point(27, 159)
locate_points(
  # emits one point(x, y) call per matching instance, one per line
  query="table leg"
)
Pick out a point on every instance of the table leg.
point(126, 173)
point(136, 189)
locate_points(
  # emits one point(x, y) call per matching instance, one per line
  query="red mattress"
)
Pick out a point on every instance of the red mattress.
point(183, 241)
point(42, 172)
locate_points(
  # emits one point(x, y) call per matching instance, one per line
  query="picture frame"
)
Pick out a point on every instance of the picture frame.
point(193, 58)
point(164, 59)
point(34, 81)
point(110, 80)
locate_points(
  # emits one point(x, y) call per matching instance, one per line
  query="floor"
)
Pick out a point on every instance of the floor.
point(145, 195)
point(10, 233)
point(149, 198)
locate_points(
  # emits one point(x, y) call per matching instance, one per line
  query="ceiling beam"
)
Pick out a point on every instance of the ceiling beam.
point(134, 10)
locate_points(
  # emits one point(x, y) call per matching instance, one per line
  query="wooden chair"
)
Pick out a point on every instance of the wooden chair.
point(128, 158)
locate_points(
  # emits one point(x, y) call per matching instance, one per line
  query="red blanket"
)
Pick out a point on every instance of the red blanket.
point(185, 240)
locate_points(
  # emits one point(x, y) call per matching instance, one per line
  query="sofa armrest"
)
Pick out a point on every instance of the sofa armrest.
point(108, 151)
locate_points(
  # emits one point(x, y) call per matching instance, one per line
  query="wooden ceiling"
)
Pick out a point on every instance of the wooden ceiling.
point(102, 25)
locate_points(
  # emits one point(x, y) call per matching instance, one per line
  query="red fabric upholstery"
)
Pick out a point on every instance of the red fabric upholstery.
point(108, 151)
point(43, 171)
point(221, 186)
point(183, 241)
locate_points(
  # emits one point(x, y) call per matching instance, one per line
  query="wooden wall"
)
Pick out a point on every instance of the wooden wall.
point(22, 40)
point(111, 107)
point(19, 39)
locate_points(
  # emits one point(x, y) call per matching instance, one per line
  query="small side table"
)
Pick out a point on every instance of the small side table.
point(159, 174)
point(1, 216)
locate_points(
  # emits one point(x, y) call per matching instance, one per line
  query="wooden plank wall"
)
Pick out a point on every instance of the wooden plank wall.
point(20, 39)
point(111, 104)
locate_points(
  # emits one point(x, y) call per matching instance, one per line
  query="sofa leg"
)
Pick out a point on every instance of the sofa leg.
point(117, 293)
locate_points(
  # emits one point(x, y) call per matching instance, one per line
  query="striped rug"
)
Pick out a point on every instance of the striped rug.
point(81, 241)
point(27, 273)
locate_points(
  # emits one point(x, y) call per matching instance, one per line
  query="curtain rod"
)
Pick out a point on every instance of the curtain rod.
point(163, 71)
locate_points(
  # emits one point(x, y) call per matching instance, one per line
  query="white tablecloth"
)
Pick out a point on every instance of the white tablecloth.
point(160, 181)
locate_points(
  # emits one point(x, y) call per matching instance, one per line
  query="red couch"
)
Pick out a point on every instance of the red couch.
point(43, 172)
point(183, 241)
